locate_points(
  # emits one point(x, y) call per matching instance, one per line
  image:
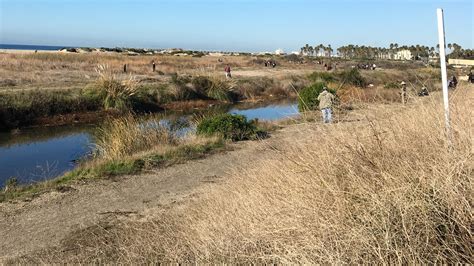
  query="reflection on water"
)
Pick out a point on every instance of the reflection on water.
point(38, 154)
point(269, 112)
point(33, 156)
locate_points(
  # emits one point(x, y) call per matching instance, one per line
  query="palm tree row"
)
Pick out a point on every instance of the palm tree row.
point(368, 52)
point(317, 50)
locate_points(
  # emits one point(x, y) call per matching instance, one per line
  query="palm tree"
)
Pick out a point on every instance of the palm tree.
point(329, 50)
point(320, 48)
point(311, 50)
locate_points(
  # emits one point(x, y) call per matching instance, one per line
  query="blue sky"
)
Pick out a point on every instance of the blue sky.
point(232, 25)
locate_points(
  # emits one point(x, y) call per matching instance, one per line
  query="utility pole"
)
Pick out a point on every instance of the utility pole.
point(444, 73)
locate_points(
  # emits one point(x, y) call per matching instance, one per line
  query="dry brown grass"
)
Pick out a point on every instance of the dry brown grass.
point(351, 94)
point(129, 135)
point(75, 71)
point(386, 190)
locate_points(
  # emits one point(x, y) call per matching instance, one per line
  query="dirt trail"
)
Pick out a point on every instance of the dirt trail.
point(29, 226)
point(270, 72)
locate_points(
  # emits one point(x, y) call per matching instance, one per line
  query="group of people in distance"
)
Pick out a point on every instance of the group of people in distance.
point(367, 66)
point(270, 63)
point(327, 66)
point(326, 99)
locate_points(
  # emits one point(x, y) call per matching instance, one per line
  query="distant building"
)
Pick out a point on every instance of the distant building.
point(321, 53)
point(280, 52)
point(216, 54)
point(461, 62)
point(403, 55)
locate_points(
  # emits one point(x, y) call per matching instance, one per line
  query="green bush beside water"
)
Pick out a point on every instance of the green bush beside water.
point(233, 127)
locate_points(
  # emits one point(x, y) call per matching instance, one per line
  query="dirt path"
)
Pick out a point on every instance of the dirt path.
point(270, 72)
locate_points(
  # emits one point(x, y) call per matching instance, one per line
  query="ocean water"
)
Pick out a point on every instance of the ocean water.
point(31, 47)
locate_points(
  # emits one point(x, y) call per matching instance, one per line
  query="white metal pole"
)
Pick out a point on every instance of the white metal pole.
point(444, 74)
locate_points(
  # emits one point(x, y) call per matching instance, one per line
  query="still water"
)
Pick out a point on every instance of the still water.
point(38, 154)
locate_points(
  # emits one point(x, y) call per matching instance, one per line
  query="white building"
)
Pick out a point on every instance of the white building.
point(403, 55)
point(279, 52)
point(321, 53)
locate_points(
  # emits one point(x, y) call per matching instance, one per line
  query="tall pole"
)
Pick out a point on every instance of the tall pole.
point(444, 73)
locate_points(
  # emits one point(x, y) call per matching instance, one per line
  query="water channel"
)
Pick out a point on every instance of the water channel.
point(37, 154)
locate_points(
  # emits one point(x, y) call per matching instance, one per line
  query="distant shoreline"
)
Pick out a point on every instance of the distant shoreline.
point(21, 51)
point(28, 47)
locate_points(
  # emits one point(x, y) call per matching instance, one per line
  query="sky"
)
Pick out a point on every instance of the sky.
point(233, 25)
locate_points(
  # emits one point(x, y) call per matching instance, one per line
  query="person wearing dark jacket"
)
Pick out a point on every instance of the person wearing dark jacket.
point(470, 77)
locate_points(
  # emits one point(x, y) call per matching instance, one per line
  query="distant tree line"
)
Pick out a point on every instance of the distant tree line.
point(318, 50)
point(368, 52)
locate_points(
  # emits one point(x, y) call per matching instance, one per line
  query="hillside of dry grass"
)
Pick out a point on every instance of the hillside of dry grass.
point(380, 186)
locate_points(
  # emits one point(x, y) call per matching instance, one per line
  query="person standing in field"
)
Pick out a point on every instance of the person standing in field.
point(470, 77)
point(153, 65)
point(227, 72)
point(403, 93)
point(326, 100)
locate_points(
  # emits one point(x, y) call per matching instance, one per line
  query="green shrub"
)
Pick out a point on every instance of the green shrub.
point(308, 97)
point(322, 77)
point(233, 127)
point(353, 77)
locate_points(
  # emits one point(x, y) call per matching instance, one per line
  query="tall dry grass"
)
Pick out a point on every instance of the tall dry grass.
point(117, 92)
point(385, 190)
point(129, 135)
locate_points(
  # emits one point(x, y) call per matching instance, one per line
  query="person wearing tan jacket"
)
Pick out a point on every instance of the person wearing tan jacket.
point(326, 100)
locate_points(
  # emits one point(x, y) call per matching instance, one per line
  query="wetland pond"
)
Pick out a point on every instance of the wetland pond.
point(38, 154)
